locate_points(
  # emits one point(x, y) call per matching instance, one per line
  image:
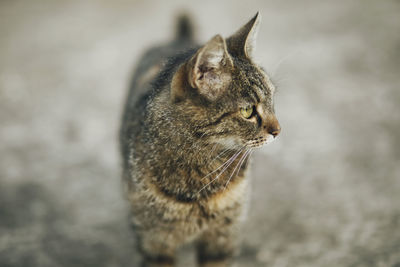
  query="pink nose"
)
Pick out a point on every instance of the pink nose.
point(272, 126)
point(274, 130)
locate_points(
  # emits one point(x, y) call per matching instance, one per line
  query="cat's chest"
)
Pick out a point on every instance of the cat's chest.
point(235, 192)
point(229, 203)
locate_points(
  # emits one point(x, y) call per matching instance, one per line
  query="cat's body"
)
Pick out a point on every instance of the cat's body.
point(184, 164)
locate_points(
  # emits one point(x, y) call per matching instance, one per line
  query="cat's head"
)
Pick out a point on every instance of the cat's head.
point(224, 94)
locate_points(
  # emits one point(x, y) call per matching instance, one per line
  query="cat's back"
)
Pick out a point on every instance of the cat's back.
point(151, 72)
point(156, 59)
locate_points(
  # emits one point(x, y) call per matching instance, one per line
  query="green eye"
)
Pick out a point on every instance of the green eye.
point(247, 111)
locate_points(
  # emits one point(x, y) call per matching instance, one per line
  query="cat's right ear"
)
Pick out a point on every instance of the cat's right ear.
point(208, 71)
point(242, 43)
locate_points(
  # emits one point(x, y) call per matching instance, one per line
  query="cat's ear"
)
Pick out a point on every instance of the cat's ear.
point(209, 70)
point(242, 43)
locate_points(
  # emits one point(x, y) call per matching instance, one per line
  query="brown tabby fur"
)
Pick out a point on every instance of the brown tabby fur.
point(182, 122)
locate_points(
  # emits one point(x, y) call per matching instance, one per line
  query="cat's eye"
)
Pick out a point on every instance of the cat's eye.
point(247, 111)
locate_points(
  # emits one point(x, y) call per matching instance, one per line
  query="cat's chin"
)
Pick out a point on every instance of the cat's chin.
point(261, 141)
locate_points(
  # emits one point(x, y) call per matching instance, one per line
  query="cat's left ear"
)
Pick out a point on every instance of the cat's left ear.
point(243, 42)
point(210, 68)
point(208, 71)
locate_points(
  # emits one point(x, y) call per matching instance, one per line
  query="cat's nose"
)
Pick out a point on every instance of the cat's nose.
point(274, 130)
point(272, 126)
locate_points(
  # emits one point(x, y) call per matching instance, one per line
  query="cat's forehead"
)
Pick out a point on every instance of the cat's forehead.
point(254, 82)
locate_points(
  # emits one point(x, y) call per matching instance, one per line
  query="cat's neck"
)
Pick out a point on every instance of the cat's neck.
point(199, 172)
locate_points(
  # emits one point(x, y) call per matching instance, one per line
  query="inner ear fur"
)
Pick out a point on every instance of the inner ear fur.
point(208, 71)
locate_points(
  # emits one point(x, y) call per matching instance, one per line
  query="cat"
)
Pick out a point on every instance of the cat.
point(192, 117)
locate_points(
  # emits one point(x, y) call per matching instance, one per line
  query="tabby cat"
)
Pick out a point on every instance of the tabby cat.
point(192, 118)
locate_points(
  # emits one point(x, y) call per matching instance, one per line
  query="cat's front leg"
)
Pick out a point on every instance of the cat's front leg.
point(157, 249)
point(218, 246)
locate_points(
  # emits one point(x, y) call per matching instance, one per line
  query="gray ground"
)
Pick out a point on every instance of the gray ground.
point(325, 194)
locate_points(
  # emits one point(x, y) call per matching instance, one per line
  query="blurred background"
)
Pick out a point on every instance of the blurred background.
point(326, 193)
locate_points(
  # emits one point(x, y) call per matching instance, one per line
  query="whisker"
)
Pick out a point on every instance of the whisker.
point(232, 159)
point(225, 164)
point(220, 155)
point(213, 149)
point(242, 159)
point(222, 165)
point(248, 156)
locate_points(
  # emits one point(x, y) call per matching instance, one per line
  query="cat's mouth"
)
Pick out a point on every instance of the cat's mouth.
point(260, 141)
